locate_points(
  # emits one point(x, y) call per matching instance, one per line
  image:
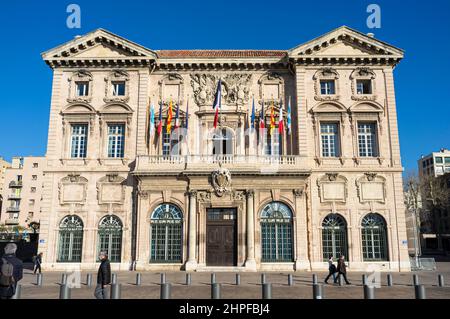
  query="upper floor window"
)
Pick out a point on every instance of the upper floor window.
point(327, 87)
point(35, 165)
point(31, 202)
point(82, 88)
point(367, 140)
point(34, 177)
point(118, 88)
point(329, 134)
point(272, 145)
point(79, 141)
point(19, 178)
point(116, 140)
point(33, 189)
point(363, 86)
point(438, 160)
point(170, 142)
point(447, 160)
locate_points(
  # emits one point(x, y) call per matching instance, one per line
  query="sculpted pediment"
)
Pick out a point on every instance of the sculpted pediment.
point(98, 44)
point(345, 42)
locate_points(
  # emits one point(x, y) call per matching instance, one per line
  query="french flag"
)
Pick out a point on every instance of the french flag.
point(280, 121)
point(159, 130)
point(261, 117)
point(217, 103)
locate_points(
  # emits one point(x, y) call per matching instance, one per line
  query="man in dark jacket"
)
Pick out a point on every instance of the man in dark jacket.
point(103, 277)
point(342, 269)
point(9, 259)
point(37, 263)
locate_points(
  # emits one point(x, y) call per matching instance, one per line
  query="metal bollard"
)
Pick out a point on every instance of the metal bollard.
point(390, 282)
point(290, 280)
point(266, 291)
point(238, 279)
point(64, 292)
point(165, 291)
point(369, 292)
point(114, 279)
point(188, 279)
point(115, 291)
point(441, 282)
point(340, 280)
point(415, 280)
point(364, 279)
point(39, 280)
point(315, 279)
point(18, 292)
point(263, 279)
point(420, 292)
point(89, 280)
point(215, 291)
point(64, 279)
point(138, 279)
point(213, 278)
point(163, 278)
point(317, 291)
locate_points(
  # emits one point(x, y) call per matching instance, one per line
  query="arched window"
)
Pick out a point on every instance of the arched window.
point(334, 236)
point(374, 238)
point(166, 234)
point(276, 233)
point(70, 239)
point(110, 237)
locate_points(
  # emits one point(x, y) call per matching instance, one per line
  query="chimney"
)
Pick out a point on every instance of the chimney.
point(77, 36)
point(371, 35)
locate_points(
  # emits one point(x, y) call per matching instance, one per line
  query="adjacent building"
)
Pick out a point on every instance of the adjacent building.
point(3, 166)
point(199, 191)
point(22, 192)
point(435, 164)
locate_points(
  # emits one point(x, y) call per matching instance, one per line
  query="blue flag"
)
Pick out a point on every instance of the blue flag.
point(288, 118)
point(252, 119)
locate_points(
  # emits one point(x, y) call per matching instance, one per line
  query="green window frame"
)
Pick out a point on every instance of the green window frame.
point(374, 238)
point(334, 236)
point(166, 238)
point(70, 244)
point(110, 238)
point(276, 233)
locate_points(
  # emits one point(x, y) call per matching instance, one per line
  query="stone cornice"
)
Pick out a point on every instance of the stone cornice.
point(373, 60)
point(100, 62)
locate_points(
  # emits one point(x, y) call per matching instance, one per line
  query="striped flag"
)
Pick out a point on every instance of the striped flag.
point(288, 119)
point(280, 120)
point(272, 119)
point(187, 116)
point(261, 117)
point(177, 116)
point(169, 118)
point(252, 118)
point(217, 102)
point(160, 119)
point(152, 120)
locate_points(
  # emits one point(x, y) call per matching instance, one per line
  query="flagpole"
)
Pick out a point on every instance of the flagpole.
point(290, 126)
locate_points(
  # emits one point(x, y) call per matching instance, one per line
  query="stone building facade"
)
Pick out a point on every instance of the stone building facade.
point(231, 197)
point(3, 166)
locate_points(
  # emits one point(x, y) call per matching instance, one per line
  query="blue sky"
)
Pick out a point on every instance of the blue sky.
point(421, 28)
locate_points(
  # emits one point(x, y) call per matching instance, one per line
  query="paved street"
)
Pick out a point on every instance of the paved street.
point(250, 287)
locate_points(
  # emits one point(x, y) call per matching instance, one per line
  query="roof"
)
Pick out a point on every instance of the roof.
point(221, 53)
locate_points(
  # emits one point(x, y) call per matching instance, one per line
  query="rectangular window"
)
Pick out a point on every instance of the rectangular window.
point(329, 134)
point(118, 88)
point(82, 88)
point(33, 189)
point(367, 140)
point(170, 142)
point(272, 145)
point(447, 160)
point(116, 140)
point(35, 165)
point(31, 202)
point(364, 86)
point(327, 87)
point(34, 177)
point(79, 141)
point(438, 160)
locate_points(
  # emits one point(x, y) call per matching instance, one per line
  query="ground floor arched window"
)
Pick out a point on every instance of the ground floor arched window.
point(334, 236)
point(374, 238)
point(110, 237)
point(70, 239)
point(276, 233)
point(166, 234)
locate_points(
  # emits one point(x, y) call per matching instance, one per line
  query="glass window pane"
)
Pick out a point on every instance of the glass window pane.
point(116, 140)
point(79, 141)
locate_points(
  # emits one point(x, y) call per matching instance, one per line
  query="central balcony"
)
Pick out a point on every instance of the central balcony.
point(251, 164)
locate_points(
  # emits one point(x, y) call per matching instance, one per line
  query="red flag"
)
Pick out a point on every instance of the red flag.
point(280, 121)
point(160, 119)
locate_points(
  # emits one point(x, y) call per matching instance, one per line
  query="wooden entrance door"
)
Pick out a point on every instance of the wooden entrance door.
point(221, 234)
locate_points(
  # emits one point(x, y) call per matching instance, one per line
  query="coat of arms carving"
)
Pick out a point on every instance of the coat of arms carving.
point(221, 181)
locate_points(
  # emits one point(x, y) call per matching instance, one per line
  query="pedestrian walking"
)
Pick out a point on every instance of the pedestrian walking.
point(331, 270)
point(103, 277)
point(11, 271)
point(342, 269)
point(37, 263)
